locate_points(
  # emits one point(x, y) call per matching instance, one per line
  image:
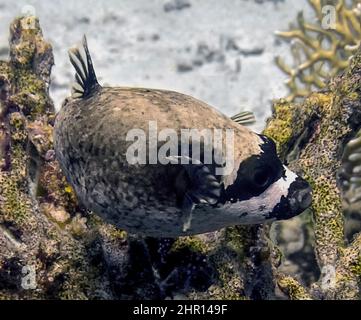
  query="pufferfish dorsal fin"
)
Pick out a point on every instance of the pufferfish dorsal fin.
point(244, 118)
point(205, 187)
point(85, 78)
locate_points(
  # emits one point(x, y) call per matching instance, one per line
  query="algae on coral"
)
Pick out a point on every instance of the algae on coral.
point(76, 255)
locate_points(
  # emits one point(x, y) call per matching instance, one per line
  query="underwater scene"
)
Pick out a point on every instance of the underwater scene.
point(180, 150)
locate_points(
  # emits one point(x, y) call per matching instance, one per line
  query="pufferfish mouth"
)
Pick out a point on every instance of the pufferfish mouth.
point(298, 199)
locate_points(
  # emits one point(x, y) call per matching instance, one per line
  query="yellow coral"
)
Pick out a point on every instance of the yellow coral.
point(320, 53)
point(292, 288)
point(191, 243)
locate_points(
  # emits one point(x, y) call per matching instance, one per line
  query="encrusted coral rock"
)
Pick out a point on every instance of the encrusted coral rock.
point(35, 201)
point(326, 121)
point(69, 252)
point(49, 242)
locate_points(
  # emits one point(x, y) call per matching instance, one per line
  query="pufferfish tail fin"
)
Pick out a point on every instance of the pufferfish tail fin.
point(85, 79)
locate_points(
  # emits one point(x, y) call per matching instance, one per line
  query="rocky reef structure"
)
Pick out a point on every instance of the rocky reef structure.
point(311, 137)
point(50, 247)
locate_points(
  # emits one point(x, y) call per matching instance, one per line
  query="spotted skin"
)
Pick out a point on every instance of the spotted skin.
point(90, 139)
point(90, 144)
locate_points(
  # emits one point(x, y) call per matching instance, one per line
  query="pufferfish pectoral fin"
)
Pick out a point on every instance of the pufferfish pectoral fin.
point(204, 186)
point(187, 209)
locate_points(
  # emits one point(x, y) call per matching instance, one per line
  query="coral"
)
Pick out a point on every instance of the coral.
point(349, 179)
point(76, 255)
point(320, 53)
point(192, 243)
point(292, 288)
point(329, 120)
point(34, 198)
point(350, 173)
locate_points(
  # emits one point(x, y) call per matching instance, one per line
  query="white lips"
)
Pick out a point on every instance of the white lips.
point(252, 211)
point(259, 207)
point(279, 188)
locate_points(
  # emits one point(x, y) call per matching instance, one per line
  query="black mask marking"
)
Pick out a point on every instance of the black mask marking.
point(255, 174)
point(298, 200)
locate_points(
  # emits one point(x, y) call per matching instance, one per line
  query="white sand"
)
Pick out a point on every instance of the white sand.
point(226, 48)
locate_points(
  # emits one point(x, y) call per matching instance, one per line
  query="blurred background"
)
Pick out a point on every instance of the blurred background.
point(221, 52)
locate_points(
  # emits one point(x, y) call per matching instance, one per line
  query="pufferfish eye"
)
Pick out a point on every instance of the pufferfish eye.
point(262, 177)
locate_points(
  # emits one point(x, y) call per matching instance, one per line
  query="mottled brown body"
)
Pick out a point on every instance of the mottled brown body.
point(91, 143)
point(95, 131)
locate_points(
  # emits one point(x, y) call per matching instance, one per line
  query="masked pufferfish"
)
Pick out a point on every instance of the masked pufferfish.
point(174, 199)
